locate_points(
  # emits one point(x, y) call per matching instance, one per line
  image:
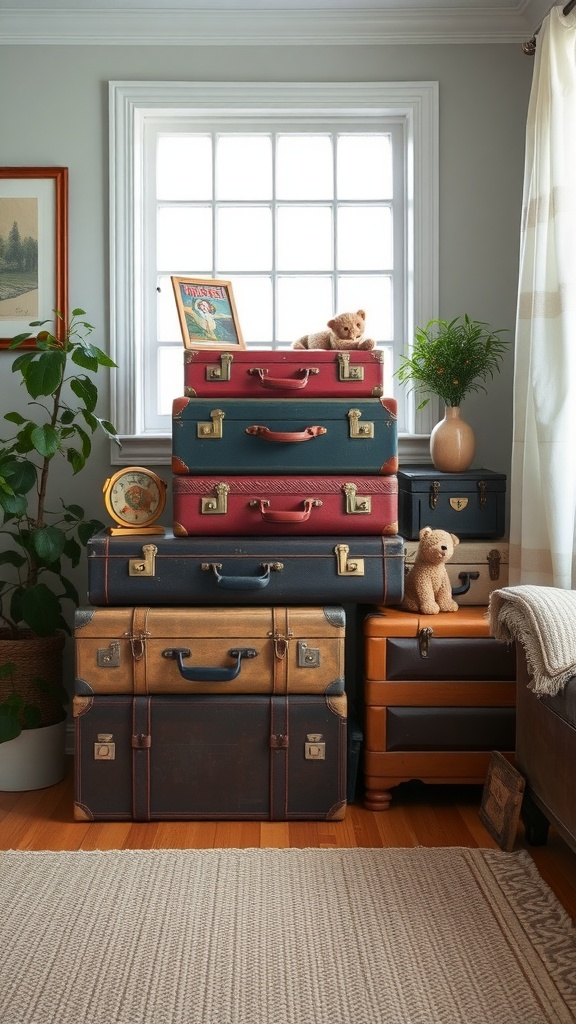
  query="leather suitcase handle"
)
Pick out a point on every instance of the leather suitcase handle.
point(465, 585)
point(280, 383)
point(271, 516)
point(286, 436)
point(204, 674)
point(243, 582)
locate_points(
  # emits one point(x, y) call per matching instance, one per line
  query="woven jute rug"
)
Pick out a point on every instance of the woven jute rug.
point(349, 936)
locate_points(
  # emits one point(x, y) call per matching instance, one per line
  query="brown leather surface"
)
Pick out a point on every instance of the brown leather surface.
point(299, 649)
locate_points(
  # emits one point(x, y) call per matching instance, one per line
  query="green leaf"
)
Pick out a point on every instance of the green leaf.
point(44, 375)
point(12, 558)
point(90, 419)
point(73, 551)
point(21, 362)
point(48, 543)
point(83, 358)
point(46, 440)
point(10, 726)
point(67, 416)
point(86, 391)
point(7, 669)
point(13, 505)
point(32, 716)
point(87, 530)
point(55, 691)
point(75, 511)
point(70, 590)
point(86, 442)
point(76, 460)
point(21, 475)
point(41, 610)
point(14, 417)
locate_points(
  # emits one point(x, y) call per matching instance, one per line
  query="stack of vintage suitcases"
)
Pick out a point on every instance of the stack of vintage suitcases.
point(210, 664)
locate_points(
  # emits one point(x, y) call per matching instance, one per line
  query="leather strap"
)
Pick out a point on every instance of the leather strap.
point(279, 758)
point(141, 743)
point(139, 652)
point(281, 652)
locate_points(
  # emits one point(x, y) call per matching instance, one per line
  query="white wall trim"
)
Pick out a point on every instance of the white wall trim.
point(178, 27)
point(132, 102)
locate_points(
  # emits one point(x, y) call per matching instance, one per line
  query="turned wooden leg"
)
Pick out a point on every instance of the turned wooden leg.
point(377, 799)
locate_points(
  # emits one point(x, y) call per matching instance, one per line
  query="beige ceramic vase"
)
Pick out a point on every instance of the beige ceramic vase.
point(452, 442)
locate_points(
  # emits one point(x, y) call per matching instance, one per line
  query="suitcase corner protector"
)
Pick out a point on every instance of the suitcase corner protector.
point(82, 813)
point(337, 812)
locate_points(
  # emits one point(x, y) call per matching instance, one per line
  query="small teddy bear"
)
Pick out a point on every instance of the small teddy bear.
point(345, 332)
point(427, 588)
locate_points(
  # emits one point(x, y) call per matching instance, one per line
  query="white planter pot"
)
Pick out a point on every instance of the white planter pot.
point(34, 760)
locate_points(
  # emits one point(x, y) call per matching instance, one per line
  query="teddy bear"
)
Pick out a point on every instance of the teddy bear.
point(344, 332)
point(427, 588)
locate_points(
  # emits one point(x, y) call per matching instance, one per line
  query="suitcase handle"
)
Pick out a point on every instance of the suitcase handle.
point(465, 587)
point(243, 582)
point(280, 383)
point(205, 674)
point(286, 436)
point(271, 516)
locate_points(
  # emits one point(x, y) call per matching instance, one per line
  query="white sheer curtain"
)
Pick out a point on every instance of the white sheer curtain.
point(543, 472)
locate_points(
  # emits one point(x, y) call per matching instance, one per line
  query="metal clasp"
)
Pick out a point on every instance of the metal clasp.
point(434, 491)
point(347, 372)
point(458, 504)
point(215, 506)
point(424, 636)
point(314, 749)
point(108, 657)
point(356, 504)
point(145, 566)
point(308, 657)
point(210, 431)
point(359, 430)
point(223, 371)
point(344, 567)
point(281, 642)
point(482, 489)
point(105, 748)
point(494, 558)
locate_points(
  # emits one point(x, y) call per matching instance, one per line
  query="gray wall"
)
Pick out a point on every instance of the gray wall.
point(54, 112)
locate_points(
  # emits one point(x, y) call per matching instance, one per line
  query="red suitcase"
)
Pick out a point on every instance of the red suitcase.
point(291, 373)
point(187, 756)
point(279, 505)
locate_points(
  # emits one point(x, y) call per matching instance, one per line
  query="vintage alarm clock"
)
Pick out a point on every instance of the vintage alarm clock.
point(135, 498)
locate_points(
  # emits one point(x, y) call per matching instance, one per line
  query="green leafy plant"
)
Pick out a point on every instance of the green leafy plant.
point(452, 358)
point(41, 534)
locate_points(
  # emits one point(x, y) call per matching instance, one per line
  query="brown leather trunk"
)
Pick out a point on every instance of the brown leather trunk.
point(174, 757)
point(272, 650)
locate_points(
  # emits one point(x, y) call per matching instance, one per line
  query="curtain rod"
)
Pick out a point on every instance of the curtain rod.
point(530, 47)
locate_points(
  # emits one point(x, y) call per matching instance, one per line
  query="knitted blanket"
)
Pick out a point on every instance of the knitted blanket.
point(543, 619)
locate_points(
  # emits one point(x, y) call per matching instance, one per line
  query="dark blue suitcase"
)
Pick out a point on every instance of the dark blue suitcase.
point(284, 435)
point(168, 570)
point(470, 504)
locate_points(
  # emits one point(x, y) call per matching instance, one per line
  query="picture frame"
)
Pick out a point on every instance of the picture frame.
point(34, 219)
point(502, 800)
point(207, 313)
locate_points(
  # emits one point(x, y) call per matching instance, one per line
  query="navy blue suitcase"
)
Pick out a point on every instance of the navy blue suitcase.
point(168, 570)
point(284, 435)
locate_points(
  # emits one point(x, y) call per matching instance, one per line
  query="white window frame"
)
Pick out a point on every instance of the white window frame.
point(131, 103)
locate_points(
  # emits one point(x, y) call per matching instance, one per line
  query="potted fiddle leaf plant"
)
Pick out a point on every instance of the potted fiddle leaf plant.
point(450, 359)
point(41, 536)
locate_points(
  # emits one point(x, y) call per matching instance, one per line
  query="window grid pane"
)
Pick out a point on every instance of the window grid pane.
point(316, 247)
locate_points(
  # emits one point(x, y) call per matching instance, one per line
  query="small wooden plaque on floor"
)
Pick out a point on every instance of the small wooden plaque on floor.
point(502, 800)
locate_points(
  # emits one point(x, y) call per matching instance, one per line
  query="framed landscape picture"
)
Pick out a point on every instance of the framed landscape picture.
point(207, 313)
point(33, 249)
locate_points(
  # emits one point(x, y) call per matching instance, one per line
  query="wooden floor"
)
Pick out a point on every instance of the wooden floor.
point(420, 815)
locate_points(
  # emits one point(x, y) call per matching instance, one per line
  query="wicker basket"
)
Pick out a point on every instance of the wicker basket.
point(35, 658)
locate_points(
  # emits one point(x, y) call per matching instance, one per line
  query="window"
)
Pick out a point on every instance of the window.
point(308, 198)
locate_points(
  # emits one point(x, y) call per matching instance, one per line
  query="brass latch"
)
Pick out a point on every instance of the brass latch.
point(278, 741)
point(210, 431)
point(223, 371)
point(104, 748)
point(494, 558)
point(458, 504)
point(217, 505)
point(108, 657)
point(434, 491)
point(357, 429)
point(482, 489)
point(347, 372)
point(308, 657)
point(344, 567)
point(314, 749)
point(424, 636)
point(146, 565)
point(356, 503)
point(281, 641)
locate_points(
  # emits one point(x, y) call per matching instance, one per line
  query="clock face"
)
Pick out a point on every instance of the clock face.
point(135, 497)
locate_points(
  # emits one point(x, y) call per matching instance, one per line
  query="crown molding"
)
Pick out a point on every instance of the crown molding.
point(177, 27)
